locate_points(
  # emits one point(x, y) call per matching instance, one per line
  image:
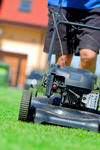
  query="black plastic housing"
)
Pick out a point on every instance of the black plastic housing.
point(75, 77)
point(42, 110)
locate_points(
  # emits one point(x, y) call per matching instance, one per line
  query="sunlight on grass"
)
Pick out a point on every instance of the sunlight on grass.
point(17, 135)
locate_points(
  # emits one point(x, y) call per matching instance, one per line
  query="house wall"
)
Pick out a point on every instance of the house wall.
point(25, 43)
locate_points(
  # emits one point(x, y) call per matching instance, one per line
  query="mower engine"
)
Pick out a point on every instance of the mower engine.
point(76, 87)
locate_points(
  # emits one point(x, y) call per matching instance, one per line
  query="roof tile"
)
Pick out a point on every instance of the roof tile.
point(37, 16)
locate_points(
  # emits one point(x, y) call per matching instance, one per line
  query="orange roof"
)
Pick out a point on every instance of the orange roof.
point(37, 15)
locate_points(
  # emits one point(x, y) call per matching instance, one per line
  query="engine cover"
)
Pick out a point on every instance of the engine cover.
point(76, 77)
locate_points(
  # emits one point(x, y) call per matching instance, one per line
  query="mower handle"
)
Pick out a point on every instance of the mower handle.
point(78, 24)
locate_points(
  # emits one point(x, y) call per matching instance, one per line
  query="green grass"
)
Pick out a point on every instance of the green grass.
point(17, 135)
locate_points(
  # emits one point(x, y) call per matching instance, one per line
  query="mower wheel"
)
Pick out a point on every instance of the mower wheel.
point(24, 106)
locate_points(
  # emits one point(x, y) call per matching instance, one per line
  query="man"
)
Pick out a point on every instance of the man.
point(80, 41)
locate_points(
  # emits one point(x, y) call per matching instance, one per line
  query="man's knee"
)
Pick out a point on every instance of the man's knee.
point(88, 57)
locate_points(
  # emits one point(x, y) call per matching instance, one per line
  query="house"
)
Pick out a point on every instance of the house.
point(22, 34)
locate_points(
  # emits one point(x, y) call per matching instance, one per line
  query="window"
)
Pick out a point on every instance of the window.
point(0, 2)
point(25, 5)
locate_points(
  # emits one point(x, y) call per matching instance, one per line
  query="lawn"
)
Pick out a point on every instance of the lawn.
point(17, 135)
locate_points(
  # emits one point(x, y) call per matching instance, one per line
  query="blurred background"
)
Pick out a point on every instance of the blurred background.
point(22, 33)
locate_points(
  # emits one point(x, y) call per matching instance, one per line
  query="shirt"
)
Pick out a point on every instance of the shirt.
point(79, 4)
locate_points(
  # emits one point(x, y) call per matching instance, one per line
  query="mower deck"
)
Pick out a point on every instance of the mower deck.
point(41, 110)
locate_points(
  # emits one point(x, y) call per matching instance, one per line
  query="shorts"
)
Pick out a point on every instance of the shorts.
point(72, 39)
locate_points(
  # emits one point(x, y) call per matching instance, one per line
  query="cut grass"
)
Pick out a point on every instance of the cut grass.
point(17, 135)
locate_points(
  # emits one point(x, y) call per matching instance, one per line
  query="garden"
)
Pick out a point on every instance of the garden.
point(17, 135)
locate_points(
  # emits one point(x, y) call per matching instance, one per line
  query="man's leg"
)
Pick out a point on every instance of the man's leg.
point(88, 60)
point(67, 59)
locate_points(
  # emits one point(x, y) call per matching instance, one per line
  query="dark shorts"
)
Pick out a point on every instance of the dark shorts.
point(73, 40)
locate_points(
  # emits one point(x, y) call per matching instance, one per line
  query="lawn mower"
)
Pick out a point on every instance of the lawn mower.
point(70, 98)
